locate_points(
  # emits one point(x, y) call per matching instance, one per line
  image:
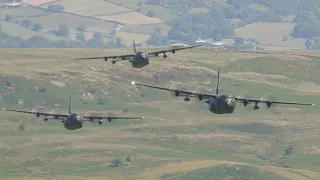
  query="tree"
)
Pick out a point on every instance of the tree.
point(98, 35)
point(37, 27)
point(22, 127)
point(63, 30)
point(308, 43)
point(316, 43)
point(304, 16)
point(8, 17)
point(259, 48)
point(80, 38)
point(128, 159)
point(81, 28)
point(238, 40)
point(150, 13)
point(249, 46)
point(100, 101)
point(26, 23)
point(156, 38)
point(288, 151)
point(307, 30)
point(118, 43)
point(117, 162)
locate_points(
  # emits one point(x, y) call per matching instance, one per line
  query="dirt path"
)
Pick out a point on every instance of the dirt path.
point(156, 173)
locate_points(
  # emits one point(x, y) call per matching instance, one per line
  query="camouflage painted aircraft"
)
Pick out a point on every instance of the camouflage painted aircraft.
point(139, 59)
point(220, 103)
point(72, 121)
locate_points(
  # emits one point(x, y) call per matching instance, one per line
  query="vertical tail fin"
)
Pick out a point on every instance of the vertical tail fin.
point(134, 47)
point(218, 82)
point(70, 106)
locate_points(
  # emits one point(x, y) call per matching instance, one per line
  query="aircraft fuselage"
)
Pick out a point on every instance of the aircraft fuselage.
point(73, 122)
point(140, 60)
point(223, 104)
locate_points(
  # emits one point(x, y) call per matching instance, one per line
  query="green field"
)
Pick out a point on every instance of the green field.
point(271, 33)
point(14, 29)
point(176, 140)
point(54, 20)
point(95, 7)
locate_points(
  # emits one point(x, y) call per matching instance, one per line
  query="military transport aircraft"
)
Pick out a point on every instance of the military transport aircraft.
point(139, 59)
point(72, 121)
point(220, 103)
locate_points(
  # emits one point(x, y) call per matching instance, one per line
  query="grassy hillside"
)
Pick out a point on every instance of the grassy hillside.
point(176, 137)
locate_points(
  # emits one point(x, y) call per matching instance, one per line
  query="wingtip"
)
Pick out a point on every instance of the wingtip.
point(3, 109)
point(133, 83)
point(143, 117)
point(312, 104)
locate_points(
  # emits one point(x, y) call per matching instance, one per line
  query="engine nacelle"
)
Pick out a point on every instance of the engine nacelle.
point(200, 97)
point(114, 61)
point(245, 102)
point(105, 58)
point(176, 92)
point(100, 122)
point(45, 119)
point(165, 56)
point(109, 119)
point(173, 51)
point(269, 104)
point(38, 114)
point(186, 99)
point(156, 54)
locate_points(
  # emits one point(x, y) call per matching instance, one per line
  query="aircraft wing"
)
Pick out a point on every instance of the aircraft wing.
point(56, 116)
point(119, 57)
point(178, 92)
point(156, 53)
point(91, 118)
point(269, 103)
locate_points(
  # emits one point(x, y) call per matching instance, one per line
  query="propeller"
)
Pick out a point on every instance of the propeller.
point(201, 89)
point(89, 113)
point(36, 109)
point(269, 98)
point(107, 114)
point(175, 88)
point(54, 111)
point(245, 95)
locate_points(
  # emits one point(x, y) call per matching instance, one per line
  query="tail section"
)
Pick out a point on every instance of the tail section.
point(134, 47)
point(218, 82)
point(70, 106)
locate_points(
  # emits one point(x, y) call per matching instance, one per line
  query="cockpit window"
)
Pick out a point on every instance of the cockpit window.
point(74, 115)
